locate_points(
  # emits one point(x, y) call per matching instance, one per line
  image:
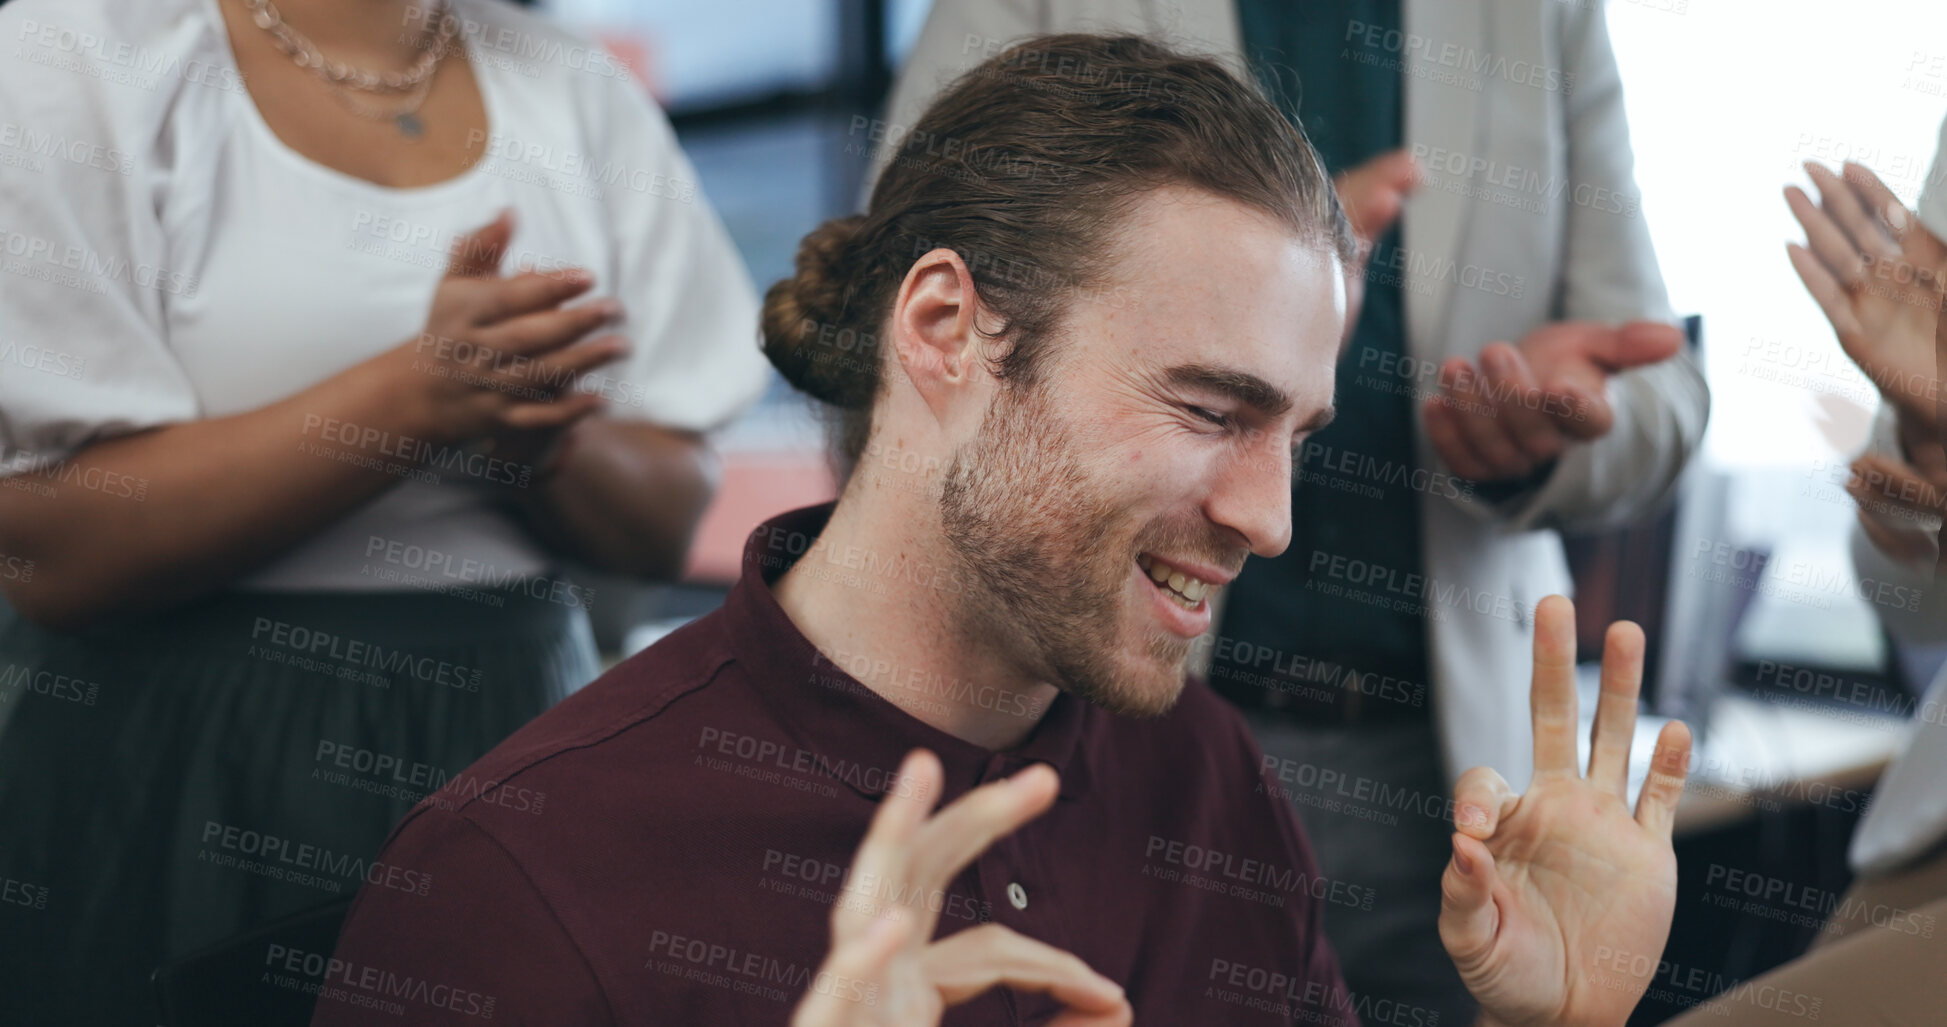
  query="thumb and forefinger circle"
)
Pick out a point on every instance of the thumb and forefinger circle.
point(978, 958)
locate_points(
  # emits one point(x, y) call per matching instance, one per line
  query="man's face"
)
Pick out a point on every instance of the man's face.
point(1158, 444)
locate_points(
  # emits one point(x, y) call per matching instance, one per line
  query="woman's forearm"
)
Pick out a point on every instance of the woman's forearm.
point(196, 504)
point(626, 498)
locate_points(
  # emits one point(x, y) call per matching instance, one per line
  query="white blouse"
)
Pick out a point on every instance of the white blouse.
point(1908, 816)
point(165, 257)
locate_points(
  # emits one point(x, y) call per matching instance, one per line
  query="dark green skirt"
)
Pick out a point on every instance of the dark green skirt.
point(168, 784)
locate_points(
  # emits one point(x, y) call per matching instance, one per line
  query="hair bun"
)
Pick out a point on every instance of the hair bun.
point(808, 335)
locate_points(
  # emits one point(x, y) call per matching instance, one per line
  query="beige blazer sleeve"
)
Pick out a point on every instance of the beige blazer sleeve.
point(1610, 273)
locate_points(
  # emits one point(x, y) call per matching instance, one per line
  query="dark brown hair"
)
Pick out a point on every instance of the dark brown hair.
point(1025, 167)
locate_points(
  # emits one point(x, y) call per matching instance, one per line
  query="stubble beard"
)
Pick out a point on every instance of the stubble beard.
point(1048, 559)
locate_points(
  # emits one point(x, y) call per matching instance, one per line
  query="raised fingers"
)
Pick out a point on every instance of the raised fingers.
point(866, 958)
point(965, 829)
point(978, 958)
point(886, 852)
point(1615, 708)
point(1551, 696)
point(1656, 807)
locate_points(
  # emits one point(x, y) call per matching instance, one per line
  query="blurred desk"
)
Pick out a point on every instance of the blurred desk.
point(1764, 754)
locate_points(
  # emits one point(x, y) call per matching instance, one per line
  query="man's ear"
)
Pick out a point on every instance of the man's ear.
point(933, 333)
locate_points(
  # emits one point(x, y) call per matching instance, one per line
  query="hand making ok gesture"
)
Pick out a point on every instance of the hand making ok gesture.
point(1549, 892)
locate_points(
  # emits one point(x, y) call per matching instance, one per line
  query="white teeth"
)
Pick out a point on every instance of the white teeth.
point(1185, 589)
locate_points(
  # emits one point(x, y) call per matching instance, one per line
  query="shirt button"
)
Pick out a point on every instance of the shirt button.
point(1017, 895)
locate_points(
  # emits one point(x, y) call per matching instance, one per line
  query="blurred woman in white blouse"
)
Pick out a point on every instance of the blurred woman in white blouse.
point(1876, 270)
point(327, 329)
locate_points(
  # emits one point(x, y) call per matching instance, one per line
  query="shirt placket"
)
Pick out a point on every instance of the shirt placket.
point(1016, 883)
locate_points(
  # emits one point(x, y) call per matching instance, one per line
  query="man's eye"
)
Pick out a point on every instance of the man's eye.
point(1220, 420)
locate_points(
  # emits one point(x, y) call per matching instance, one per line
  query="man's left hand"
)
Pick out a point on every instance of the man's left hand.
point(1524, 405)
point(1556, 904)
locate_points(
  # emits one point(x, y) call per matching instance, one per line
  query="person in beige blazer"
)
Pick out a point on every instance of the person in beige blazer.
point(1525, 228)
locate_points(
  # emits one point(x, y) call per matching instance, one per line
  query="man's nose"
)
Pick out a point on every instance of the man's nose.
point(1252, 496)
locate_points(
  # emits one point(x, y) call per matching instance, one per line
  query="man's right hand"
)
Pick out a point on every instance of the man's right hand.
point(884, 969)
point(1557, 902)
point(499, 355)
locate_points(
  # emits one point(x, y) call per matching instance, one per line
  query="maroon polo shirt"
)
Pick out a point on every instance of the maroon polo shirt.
point(664, 847)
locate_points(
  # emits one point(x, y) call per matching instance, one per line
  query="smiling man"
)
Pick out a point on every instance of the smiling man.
point(1070, 348)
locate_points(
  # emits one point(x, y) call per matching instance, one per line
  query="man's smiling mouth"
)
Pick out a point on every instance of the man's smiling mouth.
point(1185, 589)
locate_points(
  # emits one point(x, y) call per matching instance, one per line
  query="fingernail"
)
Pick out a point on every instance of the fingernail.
point(1461, 861)
point(1026, 775)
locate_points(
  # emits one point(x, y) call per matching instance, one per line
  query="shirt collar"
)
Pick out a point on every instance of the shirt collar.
point(853, 733)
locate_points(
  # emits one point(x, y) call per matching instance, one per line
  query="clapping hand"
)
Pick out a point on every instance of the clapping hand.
point(1523, 405)
point(496, 363)
point(1877, 274)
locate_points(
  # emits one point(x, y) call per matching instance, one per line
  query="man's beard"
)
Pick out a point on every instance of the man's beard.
point(1039, 544)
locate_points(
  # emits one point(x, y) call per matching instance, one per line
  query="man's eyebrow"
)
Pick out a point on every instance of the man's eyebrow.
point(1242, 386)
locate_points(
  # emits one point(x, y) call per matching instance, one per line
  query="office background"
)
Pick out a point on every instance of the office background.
point(1727, 98)
point(773, 101)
